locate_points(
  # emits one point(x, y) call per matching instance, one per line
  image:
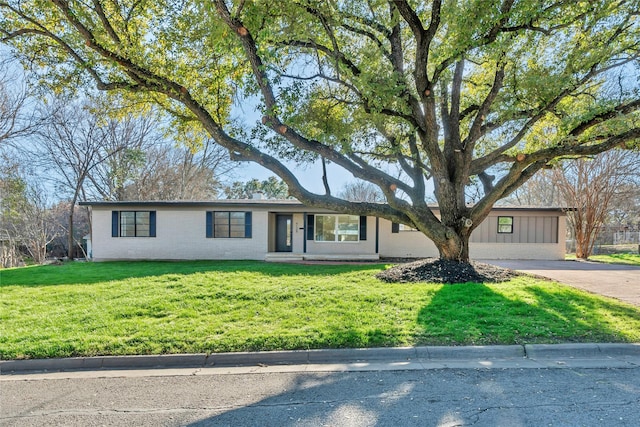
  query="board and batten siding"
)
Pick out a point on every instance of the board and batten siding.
point(536, 235)
point(526, 229)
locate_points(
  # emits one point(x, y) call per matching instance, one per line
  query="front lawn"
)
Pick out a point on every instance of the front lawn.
point(628, 259)
point(86, 309)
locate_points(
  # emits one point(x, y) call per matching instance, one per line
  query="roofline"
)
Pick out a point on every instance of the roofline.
point(532, 208)
point(272, 203)
point(195, 203)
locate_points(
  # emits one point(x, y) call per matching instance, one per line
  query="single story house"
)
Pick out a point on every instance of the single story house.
point(279, 230)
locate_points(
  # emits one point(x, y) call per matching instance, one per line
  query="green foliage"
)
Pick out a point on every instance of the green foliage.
point(89, 309)
point(397, 93)
point(271, 188)
point(14, 196)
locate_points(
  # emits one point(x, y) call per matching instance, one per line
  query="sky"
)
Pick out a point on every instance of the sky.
point(309, 175)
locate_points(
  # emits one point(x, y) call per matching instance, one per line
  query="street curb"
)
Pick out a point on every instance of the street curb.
point(581, 351)
point(597, 351)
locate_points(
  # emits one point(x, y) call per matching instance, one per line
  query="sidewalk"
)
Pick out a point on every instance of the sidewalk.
point(405, 358)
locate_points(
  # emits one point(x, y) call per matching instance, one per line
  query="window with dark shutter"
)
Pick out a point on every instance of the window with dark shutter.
point(228, 224)
point(133, 223)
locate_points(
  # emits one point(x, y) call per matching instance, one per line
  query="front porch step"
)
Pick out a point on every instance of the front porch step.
point(282, 257)
point(341, 257)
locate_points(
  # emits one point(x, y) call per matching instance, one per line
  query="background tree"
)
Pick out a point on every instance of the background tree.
point(123, 140)
point(540, 190)
point(405, 95)
point(12, 197)
point(35, 226)
point(588, 187)
point(625, 206)
point(26, 222)
point(59, 246)
point(270, 188)
point(71, 144)
point(16, 120)
point(170, 172)
point(361, 191)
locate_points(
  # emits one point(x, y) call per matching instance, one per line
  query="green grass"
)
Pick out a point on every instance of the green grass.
point(618, 258)
point(628, 259)
point(86, 309)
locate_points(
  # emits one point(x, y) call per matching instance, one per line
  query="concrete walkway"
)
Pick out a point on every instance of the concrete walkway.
point(613, 280)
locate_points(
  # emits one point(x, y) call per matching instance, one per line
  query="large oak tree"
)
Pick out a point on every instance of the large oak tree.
point(407, 95)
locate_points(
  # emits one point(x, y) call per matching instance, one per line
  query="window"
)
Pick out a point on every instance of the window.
point(337, 228)
point(226, 224)
point(405, 227)
point(505, 224)
point(133, 224)
point(397, 227)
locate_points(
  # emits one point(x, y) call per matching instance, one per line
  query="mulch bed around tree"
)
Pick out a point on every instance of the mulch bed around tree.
point(442, 271)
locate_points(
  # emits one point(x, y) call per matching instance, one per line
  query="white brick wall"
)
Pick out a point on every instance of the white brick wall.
point(180, 234)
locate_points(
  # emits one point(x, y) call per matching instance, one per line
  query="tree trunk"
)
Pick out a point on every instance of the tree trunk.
point(455, 247)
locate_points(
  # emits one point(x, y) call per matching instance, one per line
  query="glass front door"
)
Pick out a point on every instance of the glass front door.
point(284, 233)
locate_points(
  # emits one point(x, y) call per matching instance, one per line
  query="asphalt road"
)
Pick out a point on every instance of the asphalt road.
point(613, 280)
point(435, 397)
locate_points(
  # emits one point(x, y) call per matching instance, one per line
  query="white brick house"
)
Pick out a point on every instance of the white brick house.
point(287, 229)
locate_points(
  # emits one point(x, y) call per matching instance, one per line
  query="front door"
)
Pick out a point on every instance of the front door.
point(284, 233)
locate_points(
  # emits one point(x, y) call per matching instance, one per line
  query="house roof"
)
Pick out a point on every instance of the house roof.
point(264, 203)
point(196, 203)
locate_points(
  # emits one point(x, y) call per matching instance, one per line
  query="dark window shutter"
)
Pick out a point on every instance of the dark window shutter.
point(247, 225)
point(363, 228)
point(114, 223)
point(395, 227)
point(209, 224)
point(152, 224)
point(310, 231)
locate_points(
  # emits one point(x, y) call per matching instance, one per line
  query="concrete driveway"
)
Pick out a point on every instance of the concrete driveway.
point(612, 280)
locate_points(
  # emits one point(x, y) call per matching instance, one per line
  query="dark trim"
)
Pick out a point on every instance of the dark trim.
point(304, 233)
point(152, 223)
point(291, 203)
point(115, 224)
point(247, 225)
point(363, 227)
point(222, 204)
point(310, 227)
point(209, 224)
point(377, 235)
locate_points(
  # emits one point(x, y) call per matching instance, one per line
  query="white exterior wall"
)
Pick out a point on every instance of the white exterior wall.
point(404, 244)
point(544, 251)
point(298, 233)
point(180, 234)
